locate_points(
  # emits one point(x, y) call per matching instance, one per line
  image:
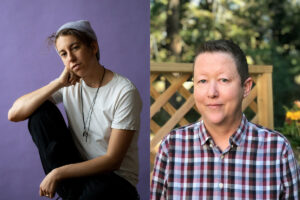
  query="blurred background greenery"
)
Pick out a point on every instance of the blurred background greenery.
point(267, 30)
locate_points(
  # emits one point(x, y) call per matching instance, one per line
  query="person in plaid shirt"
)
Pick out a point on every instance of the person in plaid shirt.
point(224, 156)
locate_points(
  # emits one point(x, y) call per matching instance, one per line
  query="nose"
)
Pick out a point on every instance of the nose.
point(213, 91)
point(71, 57)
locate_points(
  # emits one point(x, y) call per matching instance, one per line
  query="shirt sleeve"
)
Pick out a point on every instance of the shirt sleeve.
point(127, 111)
point(290, 175)
point(57, 96)
point(158, 190)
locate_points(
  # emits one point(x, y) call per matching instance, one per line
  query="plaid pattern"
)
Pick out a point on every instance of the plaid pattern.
point(258, 164)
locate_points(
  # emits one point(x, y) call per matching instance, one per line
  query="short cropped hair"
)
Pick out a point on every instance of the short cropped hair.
point(233, 49)
point(81, 36)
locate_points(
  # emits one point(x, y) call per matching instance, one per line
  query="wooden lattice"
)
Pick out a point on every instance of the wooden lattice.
point(174, 75)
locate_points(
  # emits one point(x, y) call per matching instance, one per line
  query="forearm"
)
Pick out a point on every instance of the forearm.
point(24, 106)
point(95, 166)
point(118, 145)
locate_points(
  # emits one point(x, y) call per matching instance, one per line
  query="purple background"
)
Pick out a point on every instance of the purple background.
point(27, 63)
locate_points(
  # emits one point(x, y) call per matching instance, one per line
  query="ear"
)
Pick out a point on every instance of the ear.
point(247, 86)
point(95, 47)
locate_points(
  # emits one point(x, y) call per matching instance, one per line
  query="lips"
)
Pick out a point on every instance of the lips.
point(75, 67)
point(214, 105)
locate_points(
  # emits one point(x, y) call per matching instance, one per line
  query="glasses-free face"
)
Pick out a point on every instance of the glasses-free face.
point(218, 91)
point(75, 55)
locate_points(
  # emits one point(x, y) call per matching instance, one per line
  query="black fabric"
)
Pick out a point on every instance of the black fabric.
point(56, 148)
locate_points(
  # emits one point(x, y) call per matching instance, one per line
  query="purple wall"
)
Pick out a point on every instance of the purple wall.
point(27, 63)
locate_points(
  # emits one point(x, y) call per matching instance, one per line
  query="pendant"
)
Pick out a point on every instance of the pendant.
point(85, 134)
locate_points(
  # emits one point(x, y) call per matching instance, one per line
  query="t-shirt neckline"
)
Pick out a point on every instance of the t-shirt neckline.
point(107, 85)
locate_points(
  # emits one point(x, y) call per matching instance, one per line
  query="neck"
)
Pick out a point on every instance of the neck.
point(222, 132)
point(93, 79)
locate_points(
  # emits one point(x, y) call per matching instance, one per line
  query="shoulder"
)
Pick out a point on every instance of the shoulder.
point(123, 94)
point(185, 131)
point(265, 136)
point(123, 89)
point(181, 135)
point(122, 83)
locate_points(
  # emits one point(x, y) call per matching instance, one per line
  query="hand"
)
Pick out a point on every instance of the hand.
point(68, 78)
point(49, 184)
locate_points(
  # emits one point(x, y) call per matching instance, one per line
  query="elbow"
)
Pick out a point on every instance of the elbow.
point(12, 116)
point(116, 164)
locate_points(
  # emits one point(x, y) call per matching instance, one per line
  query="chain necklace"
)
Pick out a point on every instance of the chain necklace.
point(88, 120)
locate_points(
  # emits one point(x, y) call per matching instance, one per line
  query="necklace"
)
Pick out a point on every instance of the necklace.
point(88, 120)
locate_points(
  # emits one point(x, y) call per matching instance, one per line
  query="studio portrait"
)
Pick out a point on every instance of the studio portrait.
point(75, 115)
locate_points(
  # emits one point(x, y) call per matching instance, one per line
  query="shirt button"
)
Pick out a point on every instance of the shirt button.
point(220, 185)
point(222, 156)
point(211, 145)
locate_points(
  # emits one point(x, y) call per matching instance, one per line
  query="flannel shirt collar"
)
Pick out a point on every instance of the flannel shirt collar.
point(237, 137)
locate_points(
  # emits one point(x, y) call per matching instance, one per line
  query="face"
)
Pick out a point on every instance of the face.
point(75, 55)
point(218, 91)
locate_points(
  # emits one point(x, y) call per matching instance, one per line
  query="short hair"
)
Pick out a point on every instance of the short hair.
point(81, 36)
point(233, 49)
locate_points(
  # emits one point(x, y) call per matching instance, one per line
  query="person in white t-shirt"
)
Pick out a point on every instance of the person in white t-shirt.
point(96, 156)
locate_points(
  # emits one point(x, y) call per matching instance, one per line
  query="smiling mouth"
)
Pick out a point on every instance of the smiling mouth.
point(214, 106)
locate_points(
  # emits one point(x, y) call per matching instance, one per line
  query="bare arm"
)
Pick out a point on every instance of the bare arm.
point(119, 143)
point(24, 106)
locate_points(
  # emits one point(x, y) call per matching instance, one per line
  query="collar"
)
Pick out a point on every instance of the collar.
point(236, 138)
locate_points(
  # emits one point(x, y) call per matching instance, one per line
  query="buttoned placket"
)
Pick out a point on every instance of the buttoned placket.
point(220, 163)
point(218, 174)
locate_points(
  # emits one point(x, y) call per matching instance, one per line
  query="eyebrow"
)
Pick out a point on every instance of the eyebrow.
point(70, 46)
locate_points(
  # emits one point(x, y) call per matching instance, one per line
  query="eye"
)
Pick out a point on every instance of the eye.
point(224, 80)
point(202, 81)
point(75, 47)
point(63, 54)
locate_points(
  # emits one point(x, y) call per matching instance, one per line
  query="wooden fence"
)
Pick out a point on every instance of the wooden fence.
point(175, 79)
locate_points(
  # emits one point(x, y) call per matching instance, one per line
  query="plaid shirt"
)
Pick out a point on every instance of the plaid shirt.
point(258, 164)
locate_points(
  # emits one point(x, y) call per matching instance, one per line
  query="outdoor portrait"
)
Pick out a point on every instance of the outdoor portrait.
point(225, 96)
point(74, 118)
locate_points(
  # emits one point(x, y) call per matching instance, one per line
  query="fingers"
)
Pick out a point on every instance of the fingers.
point(41, 192)
point(46, 193)
point(68, 78)
point(47, 187)
point(64, 76)
point(73, 78)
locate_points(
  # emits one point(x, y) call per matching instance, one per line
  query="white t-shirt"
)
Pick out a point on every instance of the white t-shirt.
point(118, 105)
